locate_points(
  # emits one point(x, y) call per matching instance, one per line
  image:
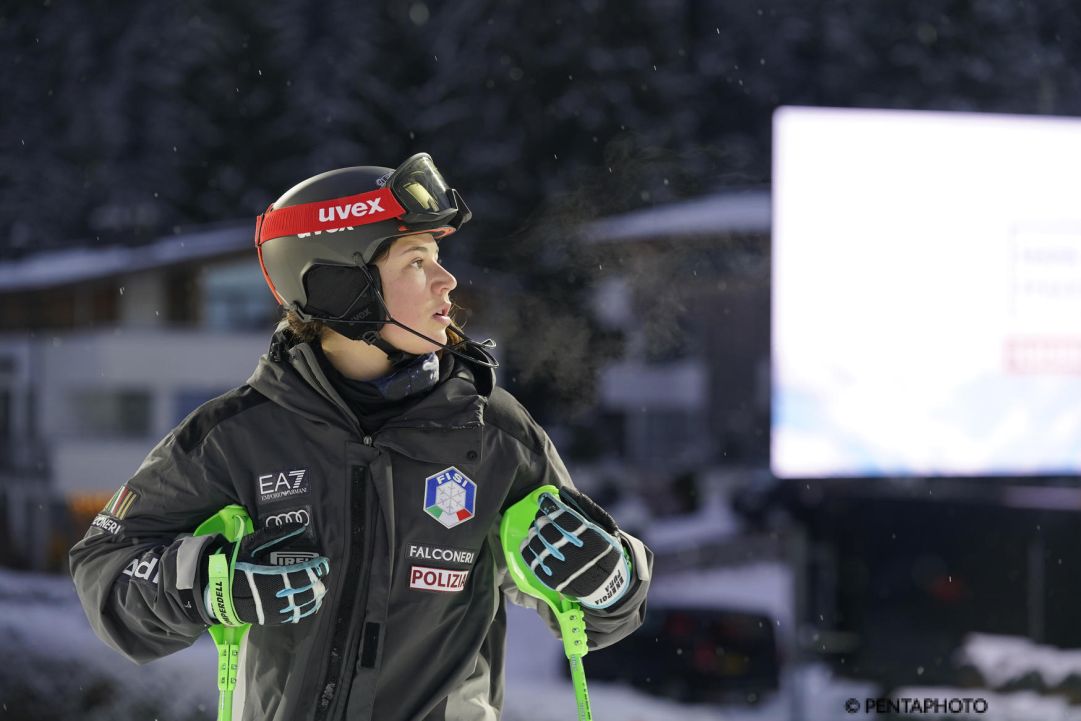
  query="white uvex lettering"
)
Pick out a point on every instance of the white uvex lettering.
point(320, 232)
point(356, 210)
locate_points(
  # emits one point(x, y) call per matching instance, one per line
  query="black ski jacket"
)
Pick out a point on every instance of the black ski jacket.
point(413, 624)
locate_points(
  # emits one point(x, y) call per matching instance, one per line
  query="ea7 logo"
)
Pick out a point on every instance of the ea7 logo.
point(282, 485)
point(145, 569)
point(356, 210)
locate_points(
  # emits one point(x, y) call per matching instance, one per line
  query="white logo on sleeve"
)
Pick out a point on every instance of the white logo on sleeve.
point(144, 569)
point(288, 558)
point(282, 485)
point(106, 524)
point(458, 556)
point(300, 515)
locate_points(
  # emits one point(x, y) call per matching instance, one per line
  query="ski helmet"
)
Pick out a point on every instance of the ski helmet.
point(317, 241)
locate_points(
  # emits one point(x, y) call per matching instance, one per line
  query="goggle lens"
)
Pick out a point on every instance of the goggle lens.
point(420, 188)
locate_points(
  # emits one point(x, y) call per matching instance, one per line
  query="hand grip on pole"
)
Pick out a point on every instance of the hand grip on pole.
point(233, 523)
point(513, 529)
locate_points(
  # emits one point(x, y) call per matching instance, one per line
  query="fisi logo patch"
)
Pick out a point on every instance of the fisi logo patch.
point(450, 497)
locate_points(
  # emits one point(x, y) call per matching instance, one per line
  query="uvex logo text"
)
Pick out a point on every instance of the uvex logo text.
point(330, 215)
point(356, 210)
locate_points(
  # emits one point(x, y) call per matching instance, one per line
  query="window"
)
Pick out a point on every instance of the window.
point(666, 439)
point(111, 413)
point(236, 297)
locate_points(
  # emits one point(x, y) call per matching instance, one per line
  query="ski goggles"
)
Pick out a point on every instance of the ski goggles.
point(414, 194)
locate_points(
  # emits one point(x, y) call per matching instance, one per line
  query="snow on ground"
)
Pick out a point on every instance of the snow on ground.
point(66, 669)
point(69, 673)
point(1002, 659)
point(536, 690)
point(54, 660)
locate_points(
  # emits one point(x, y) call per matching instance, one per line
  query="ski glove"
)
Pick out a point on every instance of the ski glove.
point(573, 549)
point(262, 580)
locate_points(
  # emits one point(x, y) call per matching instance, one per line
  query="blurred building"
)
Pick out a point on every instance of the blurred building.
point(102, 351)
point(690, 292)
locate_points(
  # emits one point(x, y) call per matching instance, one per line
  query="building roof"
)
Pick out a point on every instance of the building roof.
point(742, 211)
point(727, 212)
point(80, 264)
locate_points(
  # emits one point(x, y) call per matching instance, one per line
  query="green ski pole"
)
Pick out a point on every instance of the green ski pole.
point(512, 531)
point(234, 523)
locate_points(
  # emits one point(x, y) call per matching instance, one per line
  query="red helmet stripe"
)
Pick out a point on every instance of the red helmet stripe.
point(266, 276)
point(325, 215)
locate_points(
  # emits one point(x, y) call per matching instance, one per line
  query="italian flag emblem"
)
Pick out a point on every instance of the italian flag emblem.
point(121, 502)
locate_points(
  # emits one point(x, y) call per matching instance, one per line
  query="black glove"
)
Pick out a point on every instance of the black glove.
point(264, 579)
point(573, 549)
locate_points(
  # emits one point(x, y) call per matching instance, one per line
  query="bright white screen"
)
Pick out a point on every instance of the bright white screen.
point(926, 294)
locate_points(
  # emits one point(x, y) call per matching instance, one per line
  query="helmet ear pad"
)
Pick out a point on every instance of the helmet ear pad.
point(351, 293)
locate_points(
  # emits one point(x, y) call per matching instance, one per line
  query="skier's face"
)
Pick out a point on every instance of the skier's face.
point(417, 290)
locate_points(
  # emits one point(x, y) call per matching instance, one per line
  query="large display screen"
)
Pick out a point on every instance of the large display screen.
point(926, 294)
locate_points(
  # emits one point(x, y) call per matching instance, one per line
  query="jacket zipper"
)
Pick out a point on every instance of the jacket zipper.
point(341, 649)
point(334, 686)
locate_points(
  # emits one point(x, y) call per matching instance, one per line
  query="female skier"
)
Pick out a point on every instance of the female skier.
point(375, 455)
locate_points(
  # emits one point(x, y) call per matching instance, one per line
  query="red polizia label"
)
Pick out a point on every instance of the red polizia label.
point(437, 579)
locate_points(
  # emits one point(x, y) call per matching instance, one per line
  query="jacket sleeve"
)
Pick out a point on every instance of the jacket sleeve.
point(136, 570)
point(605, 626)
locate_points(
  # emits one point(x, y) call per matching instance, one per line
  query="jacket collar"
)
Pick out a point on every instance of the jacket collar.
point(289, 374)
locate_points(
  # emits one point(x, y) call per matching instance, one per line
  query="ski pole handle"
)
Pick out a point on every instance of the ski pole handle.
point(572, 626)
point(233, 523)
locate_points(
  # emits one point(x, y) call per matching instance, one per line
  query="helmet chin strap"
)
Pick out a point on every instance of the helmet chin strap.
point(396, 355)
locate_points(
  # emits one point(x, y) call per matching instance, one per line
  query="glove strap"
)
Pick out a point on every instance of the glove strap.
point(622, 574)
point(220, 573)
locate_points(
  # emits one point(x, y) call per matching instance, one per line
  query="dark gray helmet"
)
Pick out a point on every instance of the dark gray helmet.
point(342, 217)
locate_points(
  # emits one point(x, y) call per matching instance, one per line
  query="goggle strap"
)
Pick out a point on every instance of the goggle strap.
point(328, 215)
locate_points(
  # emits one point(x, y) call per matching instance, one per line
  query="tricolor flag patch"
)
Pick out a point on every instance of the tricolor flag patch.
point(121, 502)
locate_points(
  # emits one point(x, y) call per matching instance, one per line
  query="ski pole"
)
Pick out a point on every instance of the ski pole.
point(572, 626)
point(234, 523)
